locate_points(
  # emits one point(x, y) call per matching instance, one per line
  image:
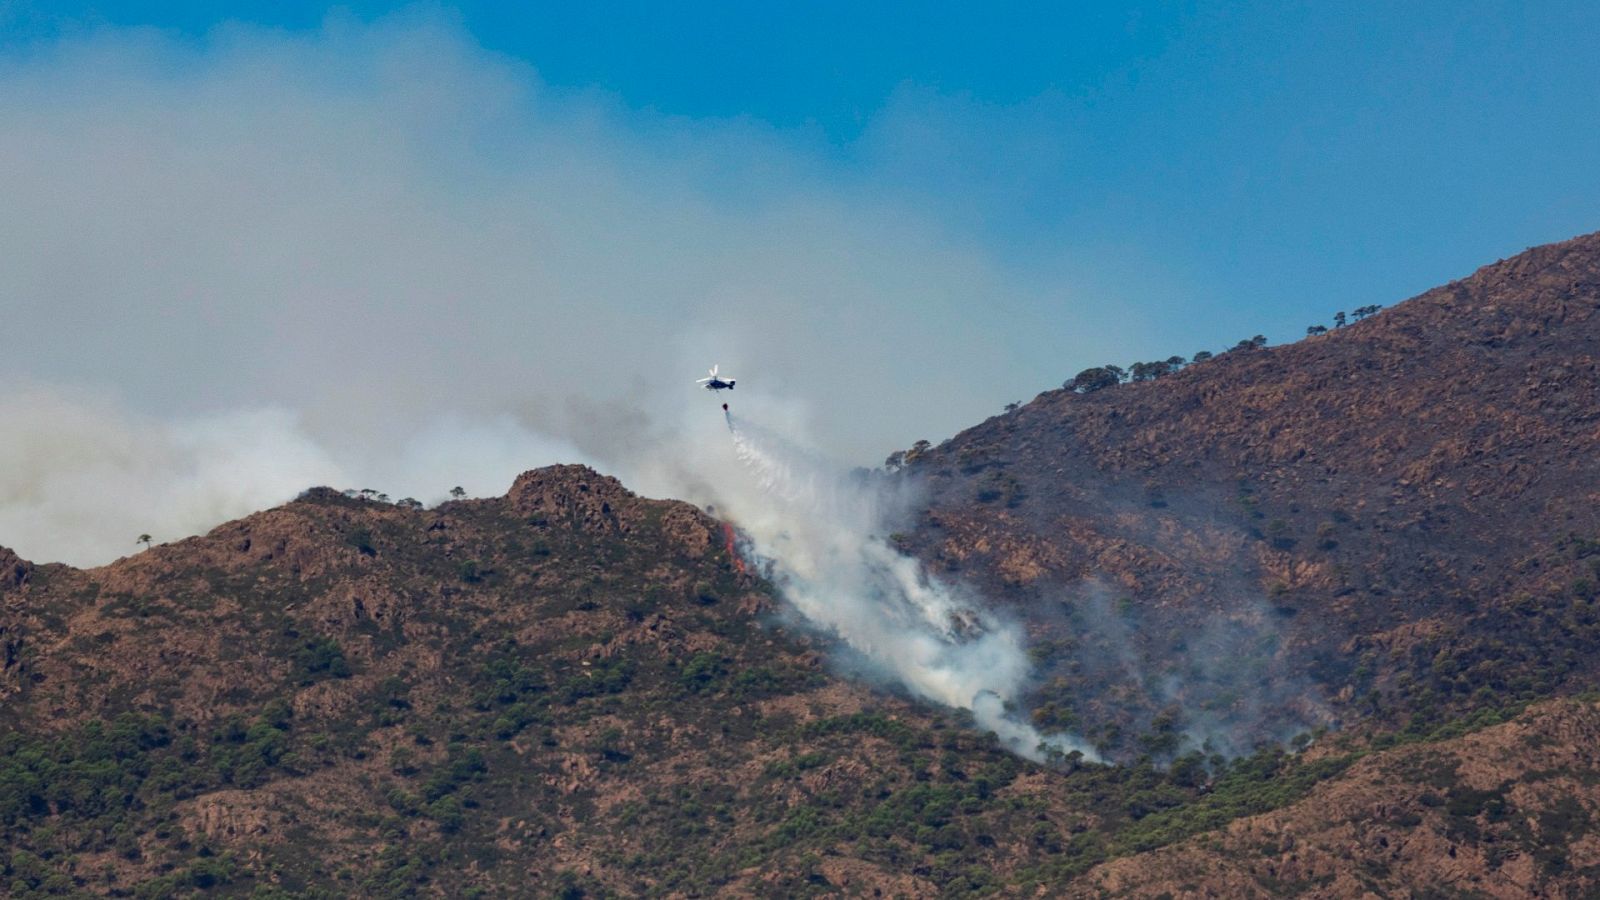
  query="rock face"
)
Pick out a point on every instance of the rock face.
point(573, 495)
point(354, 570)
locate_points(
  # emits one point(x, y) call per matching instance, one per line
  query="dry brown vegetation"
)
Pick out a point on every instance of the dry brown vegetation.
point(1386, 536)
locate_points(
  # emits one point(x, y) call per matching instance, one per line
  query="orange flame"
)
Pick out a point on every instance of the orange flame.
point(738, 562)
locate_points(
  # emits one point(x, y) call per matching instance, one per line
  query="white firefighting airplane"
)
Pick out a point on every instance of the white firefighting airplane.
point(715, 382)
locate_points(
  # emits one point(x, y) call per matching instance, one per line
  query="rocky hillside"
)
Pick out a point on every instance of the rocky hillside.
point(1330, 607)
point(1505, 812)
point(568, 690)
point(1396, 519)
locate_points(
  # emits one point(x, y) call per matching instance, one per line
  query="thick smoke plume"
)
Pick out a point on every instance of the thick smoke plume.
point(379, 256)
point(278, 258)
point(820, 538)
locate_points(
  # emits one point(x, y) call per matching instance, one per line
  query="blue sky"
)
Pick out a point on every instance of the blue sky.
point(264, 231)
point(1219, 168)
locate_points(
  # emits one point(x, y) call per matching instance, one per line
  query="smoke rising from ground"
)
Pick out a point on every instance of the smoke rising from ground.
point(376, 256)
point(821, 537)
point(1217, 679)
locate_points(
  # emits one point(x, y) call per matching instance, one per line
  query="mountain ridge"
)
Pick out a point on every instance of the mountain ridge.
point(1381, 543)
point(1347, 486)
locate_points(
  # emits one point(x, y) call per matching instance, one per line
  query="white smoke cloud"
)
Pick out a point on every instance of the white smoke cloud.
point(376, 256)
point(86, 478)
point(388, 215)
point(82, 477)
point(371, 232)
point(823, 539)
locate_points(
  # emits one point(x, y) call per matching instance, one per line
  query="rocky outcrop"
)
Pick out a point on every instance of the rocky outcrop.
point(572, 495)
point(14, 571)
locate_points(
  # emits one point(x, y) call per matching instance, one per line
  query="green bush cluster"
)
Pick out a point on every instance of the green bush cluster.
point(111, 786)
point(320, 658)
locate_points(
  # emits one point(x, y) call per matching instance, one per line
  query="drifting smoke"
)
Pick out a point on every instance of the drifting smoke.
point(81, 477)
point(818, 535)
point(397, 261)
point(84, 478)
point(378, 246)
point(1224, 679)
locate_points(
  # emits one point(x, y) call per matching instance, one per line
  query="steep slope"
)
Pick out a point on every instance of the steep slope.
point(1384, 519)
point(1505, 812)
point(327, 690)
point(569, 689)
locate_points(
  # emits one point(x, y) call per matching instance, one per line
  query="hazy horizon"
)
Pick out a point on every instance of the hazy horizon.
point(408, 250)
